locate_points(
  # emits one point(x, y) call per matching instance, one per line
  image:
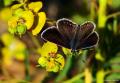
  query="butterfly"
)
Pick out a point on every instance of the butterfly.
point(71, 35)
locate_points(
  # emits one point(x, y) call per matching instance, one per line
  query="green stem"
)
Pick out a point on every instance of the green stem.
point(102, 13)
point(35, 40)
point(100, 76)
point(92, 10)
point(115, 25)
point(27, 64)
point(88, 75)
point(77, 77)
point(113, 15)
point(64, 72)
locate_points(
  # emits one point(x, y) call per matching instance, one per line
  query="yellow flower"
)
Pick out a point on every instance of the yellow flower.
point(47, 48)
point(12, 22)
point(28, 17)
point(52, 66)
point(14, 48)
point(5, 37)
point(42, 61)
point(20, 21)
point(7, 56)
point(5, 14)
point(50, 59)
point(59, 59)
point(24, 14)
point(18, 49)
point(41, 22)
point(16, 6)
point(35, 6)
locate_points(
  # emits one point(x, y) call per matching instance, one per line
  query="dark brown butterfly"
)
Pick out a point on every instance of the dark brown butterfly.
point(70, 35)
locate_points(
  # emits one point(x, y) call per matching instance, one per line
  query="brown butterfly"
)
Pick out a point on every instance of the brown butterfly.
point(70, 35)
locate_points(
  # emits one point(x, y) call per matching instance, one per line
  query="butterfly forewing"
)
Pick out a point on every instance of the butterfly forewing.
point(67, 28)
point(83, 32)
point(52, 34)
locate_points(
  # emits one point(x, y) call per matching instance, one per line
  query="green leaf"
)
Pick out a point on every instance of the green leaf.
point(115, 3)
point(79, 18)
point(115, 67)
point(113, 76)
point(115, 60)
point(79, 81)
point(7, 2)
point(115, 63)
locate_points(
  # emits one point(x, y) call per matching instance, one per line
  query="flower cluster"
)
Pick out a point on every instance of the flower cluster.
point(14, 49)
point(50, 59)
point(26, 16)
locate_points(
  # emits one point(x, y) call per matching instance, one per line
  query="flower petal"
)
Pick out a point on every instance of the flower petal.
point(42, 61)
point(12, 22)
point(29, 18)
point(5, 14)
point(60, 59)
point(35, 6)
point(52, 66)
point(48, 48)
point(16, 6)
point(41, 22)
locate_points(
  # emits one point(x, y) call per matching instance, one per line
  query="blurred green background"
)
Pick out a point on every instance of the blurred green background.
point(19, 59)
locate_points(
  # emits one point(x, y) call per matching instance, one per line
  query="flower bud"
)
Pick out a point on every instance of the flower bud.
point(21, 29)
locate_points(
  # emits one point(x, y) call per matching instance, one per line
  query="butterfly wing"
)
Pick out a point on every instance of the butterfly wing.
point(53, 35)
point(89, 42)
point(67, 28)
point(70, 35)
point(85, 36)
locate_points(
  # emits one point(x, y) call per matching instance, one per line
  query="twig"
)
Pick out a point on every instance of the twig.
point(113, 15)
point(35, 40)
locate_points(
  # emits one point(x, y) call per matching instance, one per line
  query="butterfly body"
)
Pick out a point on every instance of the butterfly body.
point(70, 35)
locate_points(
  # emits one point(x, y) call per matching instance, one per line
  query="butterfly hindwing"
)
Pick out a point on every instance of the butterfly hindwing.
point(52, 34)
point(89, 42)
